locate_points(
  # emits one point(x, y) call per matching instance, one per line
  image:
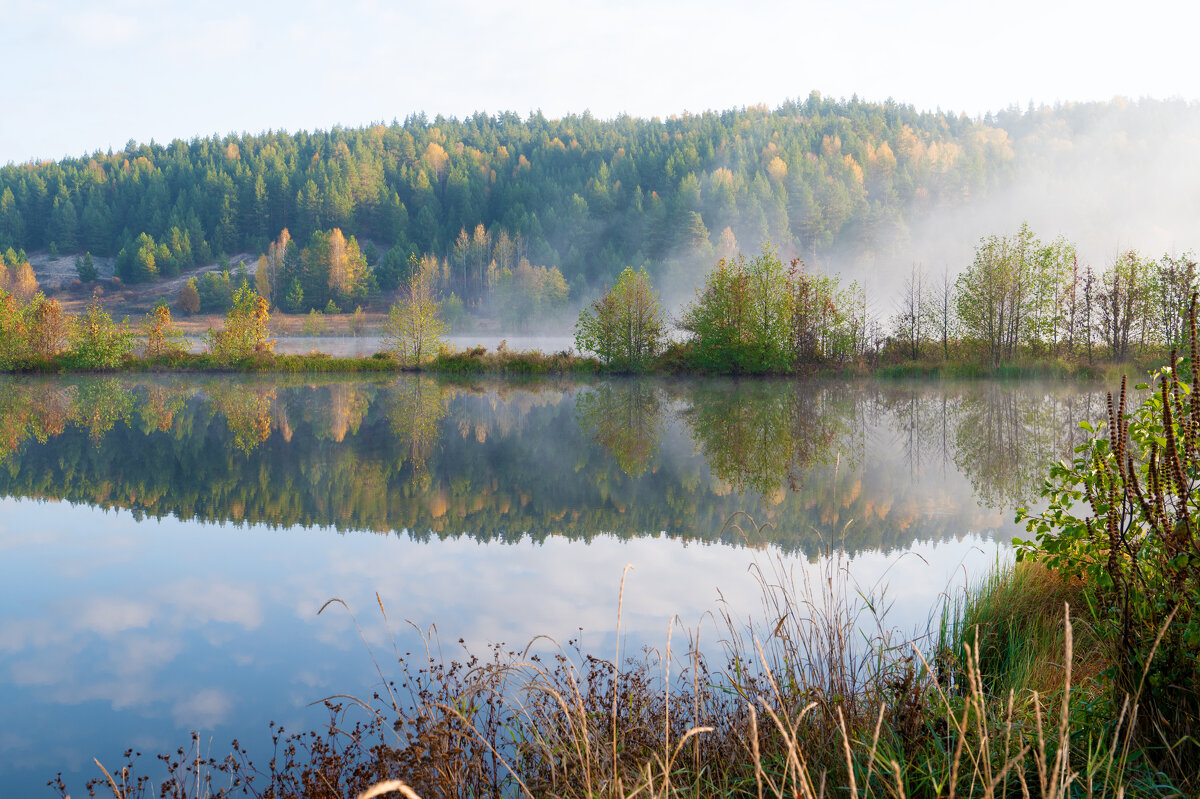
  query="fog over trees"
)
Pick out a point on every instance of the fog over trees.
point(522, 213)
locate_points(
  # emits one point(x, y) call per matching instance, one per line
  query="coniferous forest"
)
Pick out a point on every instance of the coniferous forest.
point(583, 195)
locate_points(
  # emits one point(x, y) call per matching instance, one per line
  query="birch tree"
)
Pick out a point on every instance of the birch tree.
point(413, 331)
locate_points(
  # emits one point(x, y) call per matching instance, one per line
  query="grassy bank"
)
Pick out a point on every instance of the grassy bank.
point(469, 362)
point(1008, 701)
point(481, 361)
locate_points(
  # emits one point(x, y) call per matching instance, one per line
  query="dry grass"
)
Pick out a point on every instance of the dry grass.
point(817, 699)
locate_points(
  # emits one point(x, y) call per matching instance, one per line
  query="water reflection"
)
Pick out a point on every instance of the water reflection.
point(507, 510)
point(766, 437)
point(626, 419)
point(867, 465)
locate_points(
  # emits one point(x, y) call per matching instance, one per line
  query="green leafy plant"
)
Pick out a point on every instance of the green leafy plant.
point(163, 339)
point(245, 332)
point(1136, 544)
point(314, 324)
point(97, 342)
point(413, 332)
point(626, 327)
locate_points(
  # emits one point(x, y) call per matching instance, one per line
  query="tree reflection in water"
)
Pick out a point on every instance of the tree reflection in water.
point(868, 465)
point(625, 418)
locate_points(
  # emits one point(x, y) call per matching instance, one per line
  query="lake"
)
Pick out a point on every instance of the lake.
point(166, 543)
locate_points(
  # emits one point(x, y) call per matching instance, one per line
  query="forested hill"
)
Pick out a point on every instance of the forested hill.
point(587, 195)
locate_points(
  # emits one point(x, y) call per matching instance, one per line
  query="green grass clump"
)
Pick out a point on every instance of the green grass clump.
point(503, 361)
point(1013, 623)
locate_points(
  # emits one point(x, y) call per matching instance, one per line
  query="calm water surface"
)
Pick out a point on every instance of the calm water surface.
point(165, 544)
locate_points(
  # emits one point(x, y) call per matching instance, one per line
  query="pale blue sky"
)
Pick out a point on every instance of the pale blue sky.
point(81, 76)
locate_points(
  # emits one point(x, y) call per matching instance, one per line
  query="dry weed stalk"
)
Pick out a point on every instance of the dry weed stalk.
point(571, 725)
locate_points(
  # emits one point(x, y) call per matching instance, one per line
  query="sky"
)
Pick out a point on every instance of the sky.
point(86, 76)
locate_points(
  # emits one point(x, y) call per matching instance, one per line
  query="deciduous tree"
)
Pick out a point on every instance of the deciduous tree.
point(413, 330)
point(626, 326)
point(245, 331)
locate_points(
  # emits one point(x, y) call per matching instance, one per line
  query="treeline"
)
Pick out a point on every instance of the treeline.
point(333, 272)
point(586, 195)
point(1021, 300)
point(1023, 297)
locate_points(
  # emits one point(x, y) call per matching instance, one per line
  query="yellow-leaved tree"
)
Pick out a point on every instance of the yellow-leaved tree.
point(413, 332)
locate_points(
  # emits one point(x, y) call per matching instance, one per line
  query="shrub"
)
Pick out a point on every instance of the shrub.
point(245, 332)
point(357, 322)
point(314, 324)
point(162, 338)
point(188, 300)
point(48, 327)
point(97, 342)
point(14, 338)
point(1139, 546)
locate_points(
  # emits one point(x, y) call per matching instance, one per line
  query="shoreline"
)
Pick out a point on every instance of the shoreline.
point(480, 361)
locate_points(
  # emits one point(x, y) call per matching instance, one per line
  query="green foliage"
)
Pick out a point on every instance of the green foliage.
point(529, 295)
point(393, 271)
point(626, 327)
point(357, 322)
point(215, 291)
point(13, 331)
point(32, 333)
point(760, 316)
point(1138, 544)
point(295, 296)
point(188, 300)
point(245, 331)
point(452, 312)
point(740, 319)
point(136, 262)
point(85, 267)
point(314, 324)
point(163, 339)
point(478, 360)
point(413, 331)
point(97, 342)
point(47, 326)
